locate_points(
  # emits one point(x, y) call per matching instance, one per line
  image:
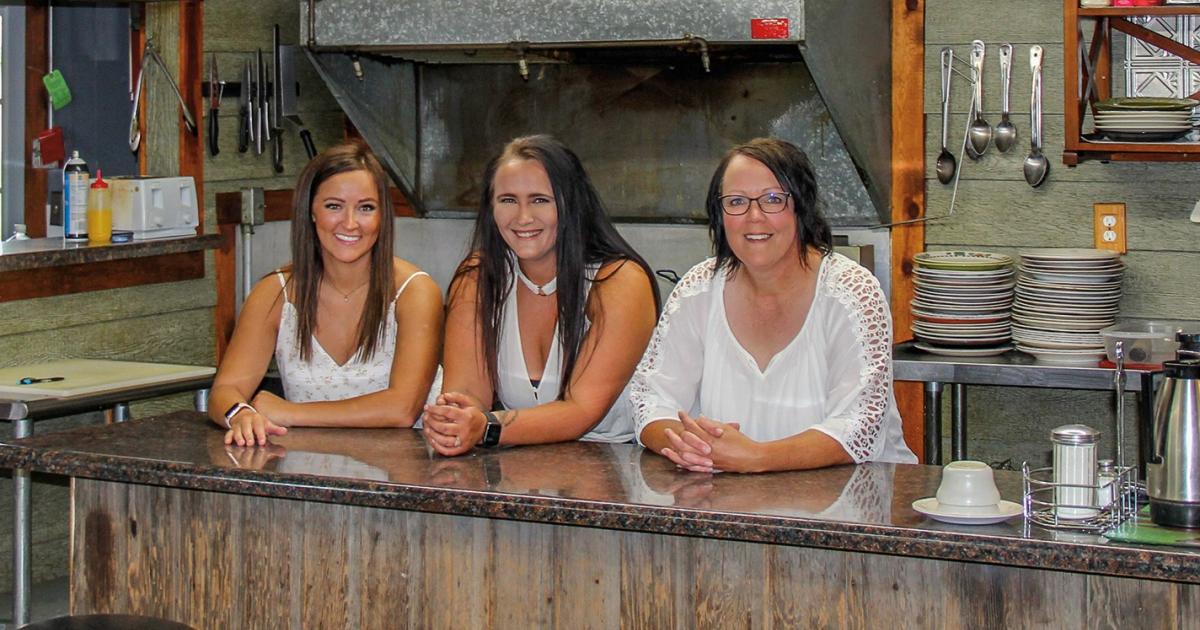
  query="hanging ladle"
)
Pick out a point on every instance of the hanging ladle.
point(1036, 165)
point(981, 132)
point(1006, 131)
point(946, 164)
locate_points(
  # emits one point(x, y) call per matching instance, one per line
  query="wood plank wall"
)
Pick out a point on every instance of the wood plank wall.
point(215, 560)
point(168, 322)
point(997, 211)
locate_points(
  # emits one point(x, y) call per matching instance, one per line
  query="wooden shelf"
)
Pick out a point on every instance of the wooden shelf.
point(1097, 70)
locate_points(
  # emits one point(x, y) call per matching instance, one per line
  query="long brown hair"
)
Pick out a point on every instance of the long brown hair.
point(585, 237)
point(308, 267)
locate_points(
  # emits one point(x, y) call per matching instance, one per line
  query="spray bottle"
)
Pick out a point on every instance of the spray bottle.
point(75, 195)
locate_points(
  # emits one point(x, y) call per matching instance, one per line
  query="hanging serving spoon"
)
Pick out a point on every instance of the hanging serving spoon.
point(1006, 131)
point(980, 134)
point(946, 165)
point(1036, 165)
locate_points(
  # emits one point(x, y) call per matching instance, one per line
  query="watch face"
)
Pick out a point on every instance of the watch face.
point(491, 434)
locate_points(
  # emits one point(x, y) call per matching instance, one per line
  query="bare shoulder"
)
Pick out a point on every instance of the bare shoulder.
point(622, 274)
point(466, 278)
point(623, 284)
point(267, 297)
point(420, 285)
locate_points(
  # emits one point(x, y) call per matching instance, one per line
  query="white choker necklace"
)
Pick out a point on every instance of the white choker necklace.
point(543, 289)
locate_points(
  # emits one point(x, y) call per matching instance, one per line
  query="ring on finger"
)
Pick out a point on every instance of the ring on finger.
point(457, 441)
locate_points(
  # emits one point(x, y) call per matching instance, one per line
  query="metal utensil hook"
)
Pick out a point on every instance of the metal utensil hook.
point(150, 54)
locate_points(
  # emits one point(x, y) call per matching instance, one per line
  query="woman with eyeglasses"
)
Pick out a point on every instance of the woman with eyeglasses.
point(776, 353)
point(547, 317)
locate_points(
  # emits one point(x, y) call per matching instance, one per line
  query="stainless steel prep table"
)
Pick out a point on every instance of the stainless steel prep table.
point(1011, 369)
point(23, 411)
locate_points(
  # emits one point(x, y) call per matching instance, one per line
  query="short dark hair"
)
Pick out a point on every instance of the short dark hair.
point(795, 174)
point(308, 267)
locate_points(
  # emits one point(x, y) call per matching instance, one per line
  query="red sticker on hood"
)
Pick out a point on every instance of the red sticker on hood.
point(769, 28)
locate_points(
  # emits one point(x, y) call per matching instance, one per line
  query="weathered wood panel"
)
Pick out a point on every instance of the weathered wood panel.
point(496, 574)
point(237, 25)
point(656, 581)
point(169, 338)
point(101, 306)
point(1024, 21)
point(160, 142)
point(1156, 216)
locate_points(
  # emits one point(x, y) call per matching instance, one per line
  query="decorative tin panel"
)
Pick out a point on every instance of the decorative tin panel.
point(1164, 78)
point(1151, 72)
point(1168, 26)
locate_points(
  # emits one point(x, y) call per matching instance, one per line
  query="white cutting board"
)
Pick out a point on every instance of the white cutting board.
point(90, 376)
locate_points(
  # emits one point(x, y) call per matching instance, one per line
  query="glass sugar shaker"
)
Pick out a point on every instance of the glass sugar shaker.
point(1075, 470)
point(1106, 483)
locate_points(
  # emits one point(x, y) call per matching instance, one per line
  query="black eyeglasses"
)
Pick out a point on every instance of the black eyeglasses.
point(769, 203)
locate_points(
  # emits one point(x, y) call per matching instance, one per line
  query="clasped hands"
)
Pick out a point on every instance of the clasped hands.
point(249, 428)
point(455, 424)
point(707, 445)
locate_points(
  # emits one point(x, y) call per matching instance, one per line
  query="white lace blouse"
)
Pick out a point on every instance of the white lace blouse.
point(835, 376)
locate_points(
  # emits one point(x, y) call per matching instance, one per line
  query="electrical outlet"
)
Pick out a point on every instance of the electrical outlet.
point(1109, 226)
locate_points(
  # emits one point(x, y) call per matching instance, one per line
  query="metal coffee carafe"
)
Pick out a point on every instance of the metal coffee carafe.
point(1173, 470)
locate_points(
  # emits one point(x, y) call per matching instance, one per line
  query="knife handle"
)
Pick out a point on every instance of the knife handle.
point(243, 132)
point(213, 133)
point(310, 149)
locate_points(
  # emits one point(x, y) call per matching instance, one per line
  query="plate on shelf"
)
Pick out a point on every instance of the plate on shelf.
point(1145, 103)
point(1145, 136)
point(963, 352)
point(1002, 512)
point(962, 260)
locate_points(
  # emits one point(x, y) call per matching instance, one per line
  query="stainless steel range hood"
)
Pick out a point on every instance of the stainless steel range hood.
point(649, 92)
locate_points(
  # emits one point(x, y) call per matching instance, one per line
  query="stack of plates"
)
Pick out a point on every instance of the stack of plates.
point(962, 302)
point(1145, 119)
point(1064, 298)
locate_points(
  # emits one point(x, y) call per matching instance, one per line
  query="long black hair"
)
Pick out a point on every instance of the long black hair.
point(308, 267)
point(585, 237)
point(795, 174)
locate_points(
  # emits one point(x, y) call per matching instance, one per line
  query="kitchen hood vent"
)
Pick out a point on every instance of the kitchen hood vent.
point(649, 92)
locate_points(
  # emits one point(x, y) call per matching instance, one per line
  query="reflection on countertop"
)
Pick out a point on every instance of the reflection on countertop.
point(865, 508)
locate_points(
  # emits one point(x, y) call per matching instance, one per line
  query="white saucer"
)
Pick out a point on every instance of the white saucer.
point(929, 507)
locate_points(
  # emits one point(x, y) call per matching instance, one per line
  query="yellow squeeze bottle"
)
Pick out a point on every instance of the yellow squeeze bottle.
point(99, 212)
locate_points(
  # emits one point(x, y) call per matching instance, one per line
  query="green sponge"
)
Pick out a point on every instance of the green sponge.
point(56, 85)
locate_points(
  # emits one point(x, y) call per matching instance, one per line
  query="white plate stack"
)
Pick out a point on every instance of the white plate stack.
point(962, 301)
point(1064, 297)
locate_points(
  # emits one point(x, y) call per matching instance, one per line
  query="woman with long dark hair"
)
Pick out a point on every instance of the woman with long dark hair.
point(547, 316)
point(775, 354)
point(355, 331)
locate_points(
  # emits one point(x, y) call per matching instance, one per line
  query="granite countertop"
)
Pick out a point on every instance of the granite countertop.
point(52, 252)
point(864, 508)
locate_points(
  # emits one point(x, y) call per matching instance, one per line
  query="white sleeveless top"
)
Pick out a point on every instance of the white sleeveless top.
point(321, 378)
point(516, 392)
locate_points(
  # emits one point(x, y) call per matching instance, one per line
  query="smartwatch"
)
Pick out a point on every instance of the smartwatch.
point(235, 410)
point(491, 432)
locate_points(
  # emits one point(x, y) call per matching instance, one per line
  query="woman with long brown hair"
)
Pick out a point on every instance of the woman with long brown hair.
point(547, 316)
point(355, 331)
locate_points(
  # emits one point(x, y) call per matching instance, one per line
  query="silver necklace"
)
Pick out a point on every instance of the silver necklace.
point(346, 296)
point(538, 289)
